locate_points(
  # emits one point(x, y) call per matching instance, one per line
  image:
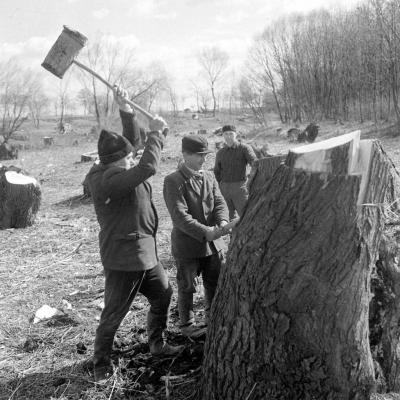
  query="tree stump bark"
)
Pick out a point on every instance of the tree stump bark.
point(262, 170)
point(20, 197)
point(290, 319)
point(385, 303)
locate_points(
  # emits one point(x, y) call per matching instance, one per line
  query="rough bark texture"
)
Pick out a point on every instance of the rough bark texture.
point(385, 303)
point(18, 203)
point(263, 170)
point(290, 318)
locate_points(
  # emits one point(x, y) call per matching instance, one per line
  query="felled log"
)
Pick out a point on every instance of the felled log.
point(290, 319)
point(20, 197)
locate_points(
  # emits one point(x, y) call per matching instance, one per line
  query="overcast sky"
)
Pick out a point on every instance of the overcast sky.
point(167, 30)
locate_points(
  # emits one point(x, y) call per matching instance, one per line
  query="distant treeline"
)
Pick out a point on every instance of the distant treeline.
point(337, 65)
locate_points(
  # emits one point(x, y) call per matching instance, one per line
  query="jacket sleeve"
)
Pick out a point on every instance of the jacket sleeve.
point(221, 212)
point(118, 183)
point(217, 167)
point(178, 209)
point(131, 128)
point(249, 154)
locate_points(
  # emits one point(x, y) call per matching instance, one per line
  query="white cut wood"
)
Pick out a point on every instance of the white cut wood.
point(315, 157)
point(16, 178)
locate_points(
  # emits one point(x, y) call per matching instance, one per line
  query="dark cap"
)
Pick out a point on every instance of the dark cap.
point(195, 144)
point(112, 147)
point(227, 128)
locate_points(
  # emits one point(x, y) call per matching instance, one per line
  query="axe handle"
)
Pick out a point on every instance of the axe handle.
point(95, 74)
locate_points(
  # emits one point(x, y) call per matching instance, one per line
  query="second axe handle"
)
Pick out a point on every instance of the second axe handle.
point(131, 103)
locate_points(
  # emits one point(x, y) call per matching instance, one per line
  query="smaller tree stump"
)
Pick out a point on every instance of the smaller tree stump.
point(20, 197)
point(48, 141)
point(8, 151)
point(91, 156)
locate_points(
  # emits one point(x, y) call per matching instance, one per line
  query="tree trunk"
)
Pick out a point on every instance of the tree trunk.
point(290, 319)
point(385, 284)
point(20, 197)
point(263, 170)
point(214, 99)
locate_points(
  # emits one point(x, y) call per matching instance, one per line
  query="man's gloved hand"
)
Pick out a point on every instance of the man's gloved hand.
point(225, 230)
point(213, 233)
point(157, 124)
point(120, 97)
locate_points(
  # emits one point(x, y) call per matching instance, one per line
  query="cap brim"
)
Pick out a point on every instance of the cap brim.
point(205, 152)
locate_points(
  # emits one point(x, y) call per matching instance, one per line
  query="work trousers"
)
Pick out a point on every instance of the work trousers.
point(235, 195)
point(121, 288)
point(188, 271)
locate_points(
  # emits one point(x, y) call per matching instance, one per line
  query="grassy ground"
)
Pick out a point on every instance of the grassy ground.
point(56, 262)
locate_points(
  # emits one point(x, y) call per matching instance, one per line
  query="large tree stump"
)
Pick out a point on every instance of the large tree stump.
point(290, 319)
point(20, 197)
point(385, 302)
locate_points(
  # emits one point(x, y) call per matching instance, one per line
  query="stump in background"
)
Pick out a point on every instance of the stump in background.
point(48, 141)
point(290, 319)
point(90, 156)
point(20, 197)
point(8, 151)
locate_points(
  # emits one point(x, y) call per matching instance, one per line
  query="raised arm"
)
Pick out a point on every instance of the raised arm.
point(117, 183)
point(130, 124)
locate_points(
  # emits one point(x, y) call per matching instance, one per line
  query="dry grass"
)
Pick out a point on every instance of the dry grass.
point(57, 260)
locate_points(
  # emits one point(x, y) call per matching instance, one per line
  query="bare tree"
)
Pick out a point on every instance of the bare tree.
point(213, 62)
point(154, 81)
point(261, 68)
point(17, 86)
point(37, 103)
point(63, 99)
point(195, 86)
point(85, 99)
point(252, 97)
point(173, 98)
point(107, 58)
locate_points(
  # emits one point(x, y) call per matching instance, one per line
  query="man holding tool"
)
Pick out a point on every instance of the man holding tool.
point(128, 224)
point(199, 214)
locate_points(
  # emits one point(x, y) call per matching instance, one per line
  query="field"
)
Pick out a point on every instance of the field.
point(56, 262)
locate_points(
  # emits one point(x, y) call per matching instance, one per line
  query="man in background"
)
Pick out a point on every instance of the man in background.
point(230, 170)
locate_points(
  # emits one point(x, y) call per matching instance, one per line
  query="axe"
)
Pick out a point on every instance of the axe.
point(63, 54)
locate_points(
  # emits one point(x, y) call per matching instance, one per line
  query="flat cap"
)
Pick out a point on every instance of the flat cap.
point(195, 144)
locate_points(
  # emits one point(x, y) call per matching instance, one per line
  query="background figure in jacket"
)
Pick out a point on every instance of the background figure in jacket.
point(199, 213)
point(230, 170)
point(128, 224)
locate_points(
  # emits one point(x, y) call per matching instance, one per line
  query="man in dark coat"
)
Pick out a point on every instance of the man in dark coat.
point(230, 170)
point(199, 213)
point(128, 224)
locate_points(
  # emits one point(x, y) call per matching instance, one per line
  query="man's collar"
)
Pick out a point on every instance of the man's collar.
point(189, 172)
point(234, 146)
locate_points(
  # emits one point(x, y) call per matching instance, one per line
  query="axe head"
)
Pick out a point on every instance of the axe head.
point(63, 52)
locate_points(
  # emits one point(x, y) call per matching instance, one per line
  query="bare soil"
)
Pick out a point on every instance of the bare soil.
point(56, 262)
